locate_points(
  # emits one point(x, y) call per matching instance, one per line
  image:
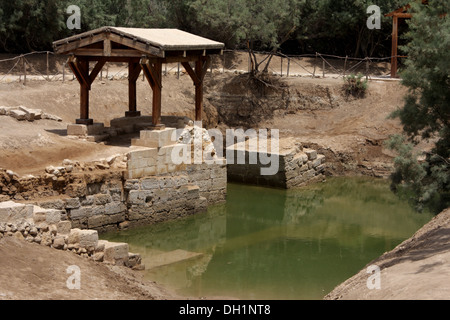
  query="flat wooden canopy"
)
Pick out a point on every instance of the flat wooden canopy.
point(144, 50)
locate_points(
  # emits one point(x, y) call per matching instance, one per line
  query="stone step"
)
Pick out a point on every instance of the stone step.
point(171, 257)
point(156, 138)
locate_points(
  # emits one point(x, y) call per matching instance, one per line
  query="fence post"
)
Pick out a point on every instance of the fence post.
point(24, 70)
point(281, 66)
point(64, 71)
point(288, 67)
point(315, 62)
point(178, 72)
point(323, 67)
point(345, 65)
point(367, 68)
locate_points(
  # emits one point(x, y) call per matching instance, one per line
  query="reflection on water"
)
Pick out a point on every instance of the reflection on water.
point(276, 244)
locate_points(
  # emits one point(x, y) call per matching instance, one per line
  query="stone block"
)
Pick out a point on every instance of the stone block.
point(116, 253)
point(312, 154)
point(136, 197)
point(115, 207)
point(18, 114)
point(72, 203)
point(158, 138)
point(85, 130)
point(150, 184)
point(64, 227)
point(84, 238)
point(102, 199)
point(15, 212)
point(83, 212)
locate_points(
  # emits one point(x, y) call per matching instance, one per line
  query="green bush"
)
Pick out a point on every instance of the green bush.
point(355, 85)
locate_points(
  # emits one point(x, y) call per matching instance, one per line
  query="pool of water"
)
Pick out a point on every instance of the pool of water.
point(276, 244)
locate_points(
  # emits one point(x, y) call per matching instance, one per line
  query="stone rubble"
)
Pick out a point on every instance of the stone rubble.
point(22, 113)
point(47, 227)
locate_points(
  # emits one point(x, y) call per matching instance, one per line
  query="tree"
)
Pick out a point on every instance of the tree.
point(426, 112)
point(27, 25)
point(251, 24)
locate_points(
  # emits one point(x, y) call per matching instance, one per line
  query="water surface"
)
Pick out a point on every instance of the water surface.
point(276, 244)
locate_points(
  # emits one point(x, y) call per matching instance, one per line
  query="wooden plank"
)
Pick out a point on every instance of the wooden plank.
point(73, 45)
point(122, 53)
point(107, 48)
point(145, 48)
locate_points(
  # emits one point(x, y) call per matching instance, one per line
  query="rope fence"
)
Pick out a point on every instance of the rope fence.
point(51, 67)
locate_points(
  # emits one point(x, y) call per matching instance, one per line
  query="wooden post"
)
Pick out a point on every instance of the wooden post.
point(315, 62)
point(323, 68)
point(281, 66)
point(345, 65)
point(48, 76)
point(199, 90)
point(178, 71)
point(394, 47)
point(24, 70)
point(157, 90)
point(367, 68)
point(84, 95)
point(134, 69)
point(288, 67)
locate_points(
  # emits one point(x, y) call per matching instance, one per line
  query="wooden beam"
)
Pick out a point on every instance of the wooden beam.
point(84, 93)
point(107, 48)
point(193, 74)
point(199, 70)
point(77, 68)
point(73, 45)
point(121, 53)
point(94, 73)
point(143, 47)
point(153, 73)
point(134, 69)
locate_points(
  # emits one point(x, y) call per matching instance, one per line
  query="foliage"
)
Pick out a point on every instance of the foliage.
point(355, 85)
point(308, 26)
point(426, 112)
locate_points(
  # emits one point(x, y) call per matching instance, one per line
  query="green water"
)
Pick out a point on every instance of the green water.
point(276, 244)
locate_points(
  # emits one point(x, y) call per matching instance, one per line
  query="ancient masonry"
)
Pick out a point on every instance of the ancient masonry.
point(297, 165)
point(139, 188)
point(52, 228)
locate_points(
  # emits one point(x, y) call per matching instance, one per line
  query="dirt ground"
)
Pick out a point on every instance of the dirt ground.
point(350, 132)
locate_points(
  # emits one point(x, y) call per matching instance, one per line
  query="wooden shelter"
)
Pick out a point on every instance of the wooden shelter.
point(401, 13)
point(142, 49)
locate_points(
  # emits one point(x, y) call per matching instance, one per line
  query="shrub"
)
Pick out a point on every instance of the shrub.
point(355, 85)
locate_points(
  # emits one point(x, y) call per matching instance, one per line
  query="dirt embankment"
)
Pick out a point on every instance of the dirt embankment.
point(417, 269)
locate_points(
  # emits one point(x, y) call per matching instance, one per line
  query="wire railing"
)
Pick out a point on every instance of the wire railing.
point(48, 66)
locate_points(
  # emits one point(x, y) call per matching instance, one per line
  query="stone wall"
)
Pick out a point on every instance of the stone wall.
point(53, 228)
point(297, 166)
